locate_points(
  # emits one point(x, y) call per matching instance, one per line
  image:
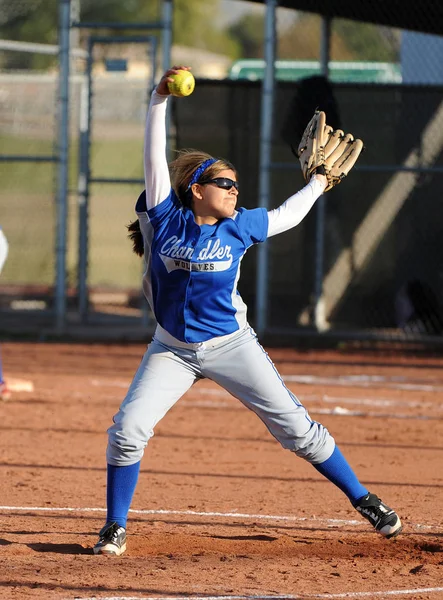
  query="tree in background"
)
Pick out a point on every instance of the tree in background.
point(195, 25)
point(350, 40)
point(249, 33)
point(37, 21)
point(18, 22)
point(366, 41)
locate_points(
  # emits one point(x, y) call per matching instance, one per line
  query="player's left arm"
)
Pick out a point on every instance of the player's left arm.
point(296, 207)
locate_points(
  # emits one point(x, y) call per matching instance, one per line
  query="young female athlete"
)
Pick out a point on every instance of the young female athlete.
point(193, 238)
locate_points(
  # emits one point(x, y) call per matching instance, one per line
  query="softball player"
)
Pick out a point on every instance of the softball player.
point(5, 394)
point(193, 239)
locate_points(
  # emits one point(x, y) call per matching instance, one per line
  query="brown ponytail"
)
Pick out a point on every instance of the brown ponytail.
point(135, 235)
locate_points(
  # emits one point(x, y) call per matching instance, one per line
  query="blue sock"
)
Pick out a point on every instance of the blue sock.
point(338, 471)
point(121, 488)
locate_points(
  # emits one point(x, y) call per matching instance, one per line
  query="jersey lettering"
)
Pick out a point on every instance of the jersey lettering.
point(174, 254)
point(217, 251)
point(173, 247)
point(172, 264)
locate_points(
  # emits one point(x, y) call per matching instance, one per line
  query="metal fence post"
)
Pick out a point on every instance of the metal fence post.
point(166, 63)
point(83, 185)
point(62, 174)
point(319, 308)
point(266, 120)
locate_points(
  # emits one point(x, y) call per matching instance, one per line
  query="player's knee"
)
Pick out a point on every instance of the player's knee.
point(131, 428)
point(122, 451)
point(315, 445)
point(127, 441)
point(316, 453)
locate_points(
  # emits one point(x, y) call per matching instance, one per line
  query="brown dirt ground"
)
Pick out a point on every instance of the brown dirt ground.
point(211, 455)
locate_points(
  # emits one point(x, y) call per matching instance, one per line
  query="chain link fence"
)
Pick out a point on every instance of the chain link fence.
point(28, 104)
point(381, 244)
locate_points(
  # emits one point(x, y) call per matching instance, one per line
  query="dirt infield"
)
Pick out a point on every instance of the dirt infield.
point(220, 510)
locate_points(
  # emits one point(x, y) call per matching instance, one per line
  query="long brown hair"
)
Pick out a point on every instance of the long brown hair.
point(135, 235)
point(181, 170)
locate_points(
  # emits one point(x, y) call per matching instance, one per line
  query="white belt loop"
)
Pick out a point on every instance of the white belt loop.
point(162, 336)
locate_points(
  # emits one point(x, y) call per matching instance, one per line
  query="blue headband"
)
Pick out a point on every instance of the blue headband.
point(199, 171)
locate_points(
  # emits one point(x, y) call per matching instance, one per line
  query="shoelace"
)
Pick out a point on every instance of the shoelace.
point(376, 513)
point(372, 513)
point(111, 534)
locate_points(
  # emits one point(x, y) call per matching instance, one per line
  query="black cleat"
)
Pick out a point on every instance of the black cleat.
point(380, 516)
point(112, 540)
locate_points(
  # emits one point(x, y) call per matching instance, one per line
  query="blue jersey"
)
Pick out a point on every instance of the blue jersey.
point(192, 271)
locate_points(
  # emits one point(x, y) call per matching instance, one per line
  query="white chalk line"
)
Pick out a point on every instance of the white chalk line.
point(329, 522)
point(337, 410)
point(380, 594)
point(195, 513)
point(394, 382)
point(334, 399)
point(377, 401)
point(20, 385)
point(27, 386)
point(374, 401)
point(398, 383)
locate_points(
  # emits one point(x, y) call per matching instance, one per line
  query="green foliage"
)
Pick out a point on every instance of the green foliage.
point(194, 24)
point(249, 32)
point(301, 41)
point(34, 21)
point(129, 11)
point(366, 41)
point(350, 40)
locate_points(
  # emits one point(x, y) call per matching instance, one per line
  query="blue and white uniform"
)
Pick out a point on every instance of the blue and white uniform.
point(190, 281)
point(192, 271)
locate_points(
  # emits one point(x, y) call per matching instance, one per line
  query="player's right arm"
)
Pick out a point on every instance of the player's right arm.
point(157, 179)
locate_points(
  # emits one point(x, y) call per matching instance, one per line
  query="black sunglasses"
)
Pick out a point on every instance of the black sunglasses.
point(222, 182)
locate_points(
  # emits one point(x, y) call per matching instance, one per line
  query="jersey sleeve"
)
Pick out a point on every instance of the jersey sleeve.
point(252, 225)
point(157, 179)
point(160, 213)
point(295, 208)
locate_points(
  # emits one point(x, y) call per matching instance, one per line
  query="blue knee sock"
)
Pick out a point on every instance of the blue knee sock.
point(121, 487)
point(338, 471)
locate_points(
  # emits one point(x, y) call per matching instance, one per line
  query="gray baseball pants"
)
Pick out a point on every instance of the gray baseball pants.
point(239, 365)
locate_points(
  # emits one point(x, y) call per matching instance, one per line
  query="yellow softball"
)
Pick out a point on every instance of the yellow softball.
point(183, 84)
